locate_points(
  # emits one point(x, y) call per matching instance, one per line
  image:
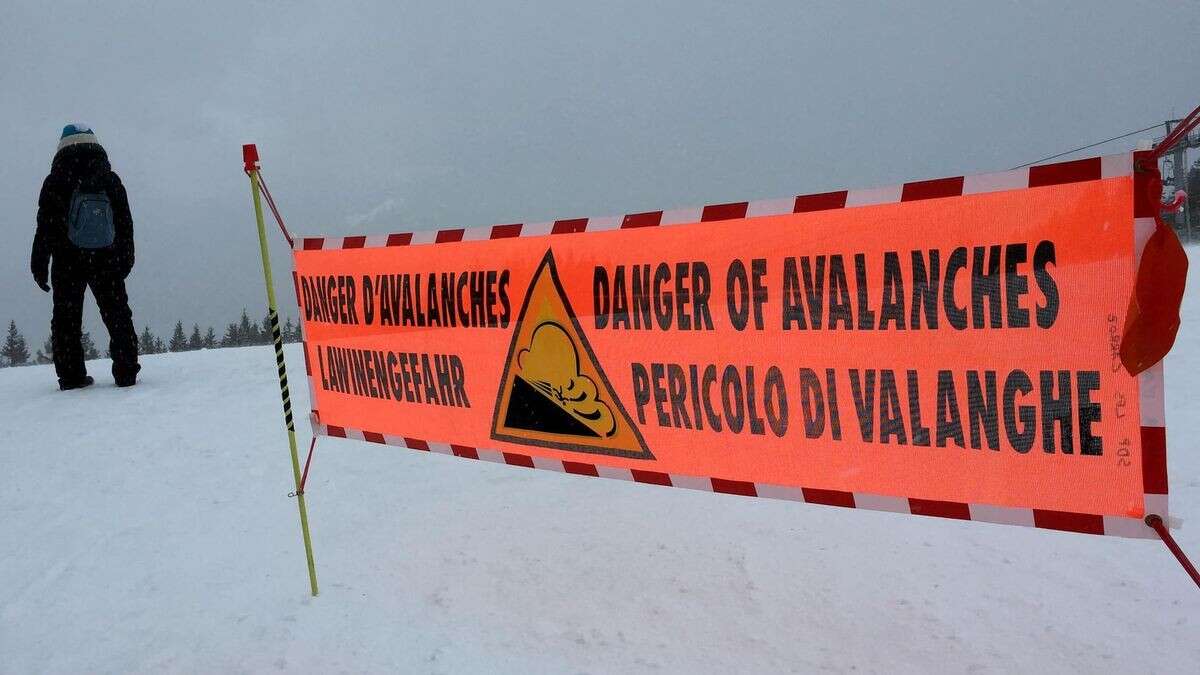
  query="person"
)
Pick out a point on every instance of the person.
point(85, 228)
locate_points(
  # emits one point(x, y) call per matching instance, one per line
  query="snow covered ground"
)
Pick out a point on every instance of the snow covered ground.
point(149, 530)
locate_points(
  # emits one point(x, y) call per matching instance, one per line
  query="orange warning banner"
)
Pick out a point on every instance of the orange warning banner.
point(961, 349)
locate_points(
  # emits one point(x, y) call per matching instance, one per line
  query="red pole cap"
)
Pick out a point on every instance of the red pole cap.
point(250, 157)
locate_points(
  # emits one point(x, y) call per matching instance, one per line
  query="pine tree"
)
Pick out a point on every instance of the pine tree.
point(178, 338)
point(146, 342)
point(195, 341)
point(291, 332)
point(15, 352)
point(159, 346)
point(247, 331)
point(210, 339)
point(46, 353)
point(232, 337)
point(90, 352)
point(266, 337)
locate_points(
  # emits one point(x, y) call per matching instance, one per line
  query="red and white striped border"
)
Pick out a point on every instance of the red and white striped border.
point(1094, 168)
point(1042, 518)
point(1151, 403)
point(1150, 383)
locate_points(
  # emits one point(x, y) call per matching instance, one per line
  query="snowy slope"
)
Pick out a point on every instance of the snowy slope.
point(149, 530)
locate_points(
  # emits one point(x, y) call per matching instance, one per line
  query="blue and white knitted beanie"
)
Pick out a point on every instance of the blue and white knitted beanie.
point(76, 134)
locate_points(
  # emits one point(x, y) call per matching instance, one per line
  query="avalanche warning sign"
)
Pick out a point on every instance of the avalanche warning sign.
point(949, 347)
point(553, 392)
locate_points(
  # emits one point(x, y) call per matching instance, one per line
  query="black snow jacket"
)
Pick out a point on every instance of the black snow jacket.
point(83, 166)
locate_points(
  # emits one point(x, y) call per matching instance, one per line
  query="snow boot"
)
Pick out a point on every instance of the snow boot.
point(85, 381)
point(126, 379)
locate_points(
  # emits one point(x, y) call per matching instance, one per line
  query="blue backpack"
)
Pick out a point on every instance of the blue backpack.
point(90, 220)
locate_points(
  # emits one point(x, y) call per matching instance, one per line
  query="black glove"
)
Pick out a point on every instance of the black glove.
point(41, 282)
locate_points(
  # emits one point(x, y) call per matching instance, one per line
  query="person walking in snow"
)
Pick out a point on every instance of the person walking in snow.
point(84, 226)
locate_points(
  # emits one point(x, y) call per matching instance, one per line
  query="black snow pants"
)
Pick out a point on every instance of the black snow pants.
point(68, 280)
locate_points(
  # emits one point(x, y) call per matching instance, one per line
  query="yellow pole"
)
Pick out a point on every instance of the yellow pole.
point(252, 169)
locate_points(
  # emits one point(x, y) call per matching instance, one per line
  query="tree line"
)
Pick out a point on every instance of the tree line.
point(242, 333)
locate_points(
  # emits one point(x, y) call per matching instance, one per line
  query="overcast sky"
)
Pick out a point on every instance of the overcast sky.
point(391, 116)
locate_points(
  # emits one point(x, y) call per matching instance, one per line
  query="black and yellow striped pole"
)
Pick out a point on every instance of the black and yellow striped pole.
point(250, 156)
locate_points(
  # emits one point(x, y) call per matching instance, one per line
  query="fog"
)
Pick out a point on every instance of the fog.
point(383, 117)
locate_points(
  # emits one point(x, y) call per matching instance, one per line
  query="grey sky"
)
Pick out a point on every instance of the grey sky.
point(383, 117)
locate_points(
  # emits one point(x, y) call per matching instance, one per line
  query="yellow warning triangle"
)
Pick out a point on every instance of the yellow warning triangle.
point(554, 393)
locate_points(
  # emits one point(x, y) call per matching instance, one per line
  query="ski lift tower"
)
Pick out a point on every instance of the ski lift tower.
point(1176, 177)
